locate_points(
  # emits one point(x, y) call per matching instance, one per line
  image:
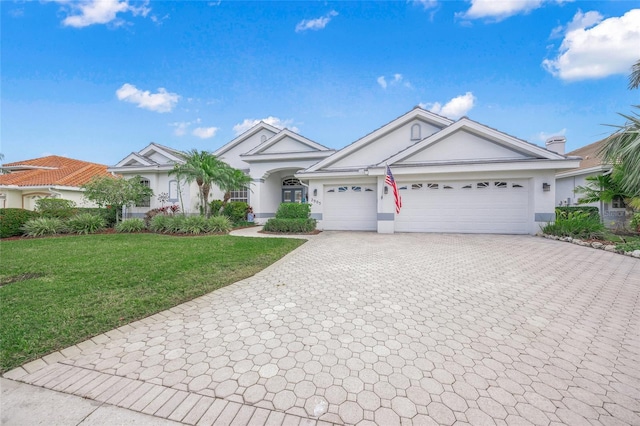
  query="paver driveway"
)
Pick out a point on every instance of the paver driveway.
point(388, 329)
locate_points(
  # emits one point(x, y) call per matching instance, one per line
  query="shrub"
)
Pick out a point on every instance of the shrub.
point(576, 224)
point(219, 224)
point(12, 221)
point(42, 226)
point(108, 214)
point(293, 211)
point(159, 223)
point(56, 207)
point(85, 223)
point(135, 224)
point(234, 210)
point(290, 225)
point(563, 212)
point(166, 210)
point(194, 225)
point(635, 222)
point(631, 246)
point(175, 224)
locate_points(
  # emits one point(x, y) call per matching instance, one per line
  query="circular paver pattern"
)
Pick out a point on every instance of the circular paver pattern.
point(428, 328)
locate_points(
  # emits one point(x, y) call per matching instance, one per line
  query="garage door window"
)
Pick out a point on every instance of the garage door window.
point(500, 184)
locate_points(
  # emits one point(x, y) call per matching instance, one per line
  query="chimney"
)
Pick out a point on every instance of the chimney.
point(556, 144)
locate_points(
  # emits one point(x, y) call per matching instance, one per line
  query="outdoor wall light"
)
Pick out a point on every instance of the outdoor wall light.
point(315, 192)
point(546, 187)
point(386, 190)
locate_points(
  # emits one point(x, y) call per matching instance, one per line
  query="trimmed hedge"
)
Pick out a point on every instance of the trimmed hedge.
point(290, 225)
point(236, 211)
point(56, 207)
point(293, 211)
point(12, 221)
point(564, 212)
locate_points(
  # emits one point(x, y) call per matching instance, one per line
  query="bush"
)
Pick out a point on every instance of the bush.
point(563, 212)
point(131, 225)
point(56, 207)
point(175, 224)
point(234, 210)
point(12, 221)
point(85, 223)
point(293, 211)
point(632, 246)
point(635, 222)
point(290, 225)
point(42, 226)
point(576, 224)
point(108, 214)
point(219, 224)
point(194, 225)
point(159, 223)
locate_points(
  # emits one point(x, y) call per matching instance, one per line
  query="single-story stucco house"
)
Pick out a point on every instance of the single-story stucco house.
point(453, 176)
point(613, 213)
point(25, 182)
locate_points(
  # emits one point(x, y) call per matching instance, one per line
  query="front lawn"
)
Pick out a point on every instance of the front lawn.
point(56, 292)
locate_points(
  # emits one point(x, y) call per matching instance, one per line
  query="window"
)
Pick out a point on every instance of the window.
point(416, 186)
point(515, 185)
point(433, 186)
point(291, 181)
point(500, 184)
point(618, 203)
point(173, 190)
point(468, 186)
point(356, 188)
point(343, 188)
point(447, 187)
point(402, 188)
point(240, 195)
point(415, 132)
point(145, 202)
point(482, 185)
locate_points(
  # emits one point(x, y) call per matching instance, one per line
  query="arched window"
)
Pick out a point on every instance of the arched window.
point(173, 191)
point(145, 202)
point(291, 181)
point(415, 132)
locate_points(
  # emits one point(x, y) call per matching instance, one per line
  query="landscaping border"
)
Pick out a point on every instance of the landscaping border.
point(593, 244)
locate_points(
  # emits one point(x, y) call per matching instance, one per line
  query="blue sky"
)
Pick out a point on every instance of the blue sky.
point(98, 79)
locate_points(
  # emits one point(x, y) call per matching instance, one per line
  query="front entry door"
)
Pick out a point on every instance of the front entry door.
point(292, 195)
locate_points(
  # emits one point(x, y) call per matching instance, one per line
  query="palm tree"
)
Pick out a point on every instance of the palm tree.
point(203, 168)
point(634, 78)
point(623, 147)
point(232, 180)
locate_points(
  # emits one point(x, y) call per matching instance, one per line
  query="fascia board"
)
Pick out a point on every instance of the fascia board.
point(303, 155)
point(602, 168)
point(141, 169)
point(161, 150)
point(281, 135)
point(133, 156)
point(387, 128)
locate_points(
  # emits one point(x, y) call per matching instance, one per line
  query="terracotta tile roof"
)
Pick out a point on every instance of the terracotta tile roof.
point(51, 170)
point(590, 155)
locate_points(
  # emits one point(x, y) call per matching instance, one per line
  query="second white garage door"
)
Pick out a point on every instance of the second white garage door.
point(479, 206)
point(350, 208)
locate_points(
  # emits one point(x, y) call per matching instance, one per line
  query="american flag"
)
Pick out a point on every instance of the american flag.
point(389, 180)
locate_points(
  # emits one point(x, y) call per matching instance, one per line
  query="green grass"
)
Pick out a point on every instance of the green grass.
point(57, 292)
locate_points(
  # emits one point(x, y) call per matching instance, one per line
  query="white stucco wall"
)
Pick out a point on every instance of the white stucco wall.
point(27, 198)
point(232, 156)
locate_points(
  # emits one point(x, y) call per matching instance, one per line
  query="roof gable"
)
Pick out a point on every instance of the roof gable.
point(467, 140)
point(256, 135)
point(286, 141)
point(385, 141)
point(52, 171)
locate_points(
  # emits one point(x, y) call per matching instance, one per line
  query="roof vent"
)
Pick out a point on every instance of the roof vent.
point(556, 144)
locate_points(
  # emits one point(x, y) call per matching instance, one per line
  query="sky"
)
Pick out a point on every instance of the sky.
point(98, 79)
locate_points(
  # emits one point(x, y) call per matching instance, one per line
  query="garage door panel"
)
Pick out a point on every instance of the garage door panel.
point(350, 207)
point(468, 207)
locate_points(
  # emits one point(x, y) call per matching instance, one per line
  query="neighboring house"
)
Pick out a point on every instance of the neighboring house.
point(612, 214)
point(48, 177)
point(453, 176)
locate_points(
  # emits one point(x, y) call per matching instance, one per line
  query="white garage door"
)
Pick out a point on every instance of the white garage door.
point(479, 206)
point(350, 207)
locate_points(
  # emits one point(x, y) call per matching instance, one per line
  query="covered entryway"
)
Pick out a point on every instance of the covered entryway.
point(350, 207)
point(493, 206)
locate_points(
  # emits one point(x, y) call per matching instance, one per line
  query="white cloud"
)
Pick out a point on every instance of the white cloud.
point(497, 11)
point(83, 13)
point(426, 4)
point(205, 132)
point(393, 81)
point(315, 24)
point(183, 126)
point(543, 136)
point(455, 108)
point(273, 121)
point(596, 48)
point(162, 101)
